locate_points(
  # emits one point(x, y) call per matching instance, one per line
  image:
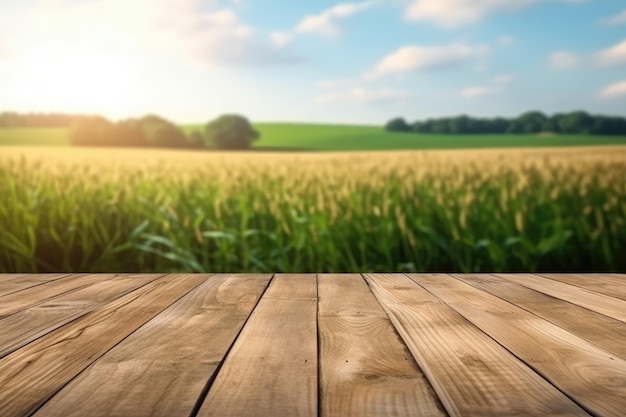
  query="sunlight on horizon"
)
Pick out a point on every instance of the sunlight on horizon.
point(78, 76)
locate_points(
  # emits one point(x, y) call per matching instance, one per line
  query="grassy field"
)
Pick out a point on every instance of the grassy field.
point(346, 138)
point(354, 138)
point(49, 136)
point(465, 211)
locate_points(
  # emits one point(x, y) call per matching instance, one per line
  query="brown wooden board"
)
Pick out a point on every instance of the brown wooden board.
point(272, 367)
point(609, 306)
point(366, 369)
point(472, 374)
point(603, 284)
point(28, 297)
point(603, 331)
point(591, 376)
point(27, 325)
point(34, 373)
point(10, 283)
point(163, 368)
point(9, 277)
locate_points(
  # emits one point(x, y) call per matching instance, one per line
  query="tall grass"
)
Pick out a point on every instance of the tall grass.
point(113, 211)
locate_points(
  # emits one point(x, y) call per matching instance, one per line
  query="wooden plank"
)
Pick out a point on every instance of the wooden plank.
point(162, 368)
point(603, 284)
point(272, 367)
point(603, 331)
point(609, 306)
point(5, 276)
point(472, 374)
point(34, 373)
point(365, 368)
point(27, 325)
point(10, 283)
point(28, 297)
point(591, 376)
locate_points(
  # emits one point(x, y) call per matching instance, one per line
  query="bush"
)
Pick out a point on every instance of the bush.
point(231, 131)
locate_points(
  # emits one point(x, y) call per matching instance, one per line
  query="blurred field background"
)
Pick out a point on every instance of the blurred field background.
point(304, 137)
point(106, 210)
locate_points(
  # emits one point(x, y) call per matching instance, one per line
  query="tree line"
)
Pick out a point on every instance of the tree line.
point(576, 122)
point(14, 119)
point(229, 131)
point(225, 132)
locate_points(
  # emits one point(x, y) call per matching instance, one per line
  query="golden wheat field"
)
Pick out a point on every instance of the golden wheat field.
point(549, 209)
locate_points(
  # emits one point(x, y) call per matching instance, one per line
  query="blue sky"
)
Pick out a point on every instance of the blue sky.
point(324, 61)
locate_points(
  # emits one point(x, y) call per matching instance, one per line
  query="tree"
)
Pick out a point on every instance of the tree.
point(460, 124)
point(603, 125)
point(575, 122)
point(578, 122)
point(162, 133)
point(128, 133)
point(231, 131)
point(91, 131)
point(398, 125)
point(531, 122)
point(441, 126)
point(423, 127)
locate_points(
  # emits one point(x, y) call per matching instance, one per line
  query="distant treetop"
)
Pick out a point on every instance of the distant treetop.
point(14, 119)
point(577, 122)
point(231, 131)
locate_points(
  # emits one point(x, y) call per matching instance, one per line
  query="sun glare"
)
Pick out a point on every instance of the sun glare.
point(76, 77)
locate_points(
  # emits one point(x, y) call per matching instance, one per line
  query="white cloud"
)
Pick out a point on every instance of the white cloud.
point(325, 23)
point(506, 41)
point(613, 55)
point(281, 38)
point(363, 96)
point(497, 86)
point(479, 91)
point(455, 13)
point(618, 19)
point(424, 58)
point(563, 60)
point(201, 34)
point(614, 90)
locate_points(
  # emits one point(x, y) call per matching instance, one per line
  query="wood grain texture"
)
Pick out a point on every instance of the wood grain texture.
point(605, 332)
point(27, 325)
point(162, 368)
point(603, 284)
point(8, 277)
point(366, 369)
point(28, 297)
point(10, 283)
point(472, 374)
point(272, 367)
point(609, 306)
point(591, 376)
point(32, 374)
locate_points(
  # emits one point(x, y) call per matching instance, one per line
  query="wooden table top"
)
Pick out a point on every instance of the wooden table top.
point(362, 345)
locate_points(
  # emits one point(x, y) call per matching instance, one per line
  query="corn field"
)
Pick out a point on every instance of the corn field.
point(94, 210)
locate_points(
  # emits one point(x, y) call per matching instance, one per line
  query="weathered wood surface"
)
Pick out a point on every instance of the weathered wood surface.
point(591, 376)
point(145, 378)
point(312, 345)
point(366, 370)
point(603, 304)
point(472, 374)
point(272, 368)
